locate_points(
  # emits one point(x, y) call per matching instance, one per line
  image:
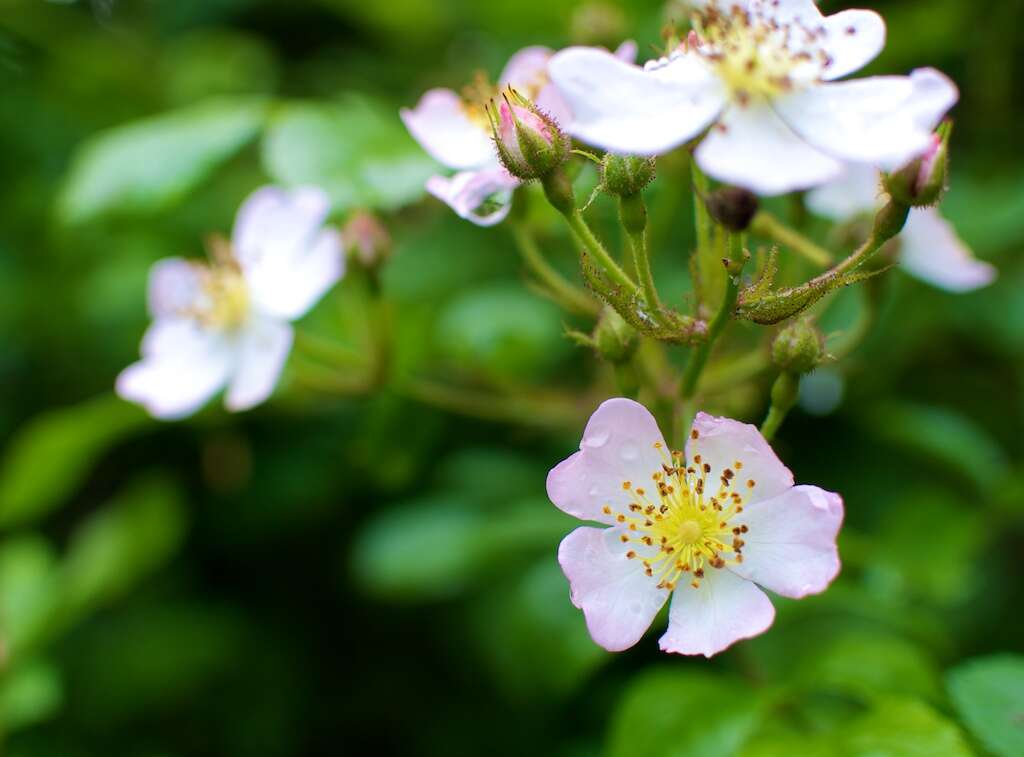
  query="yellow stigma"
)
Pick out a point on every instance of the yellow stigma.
point(686, 523)
point(225, 303)
point(755, 57)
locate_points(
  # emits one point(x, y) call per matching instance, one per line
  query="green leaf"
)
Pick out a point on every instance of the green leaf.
point(988, 694)
point(121, 544)
point(902, 728)
point(29, 694)
point(148, 165)
point(674, 712)
point(50, 456)
point(28, 591)
point(439, 546)
point(356, 149)
point(945, 436)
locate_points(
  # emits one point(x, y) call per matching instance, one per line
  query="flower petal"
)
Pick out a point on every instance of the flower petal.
point(620, 107)
point(882, 120)
point(182, 366)
point(723, 610)
point(857, 190)
point(527, 70)
point(174, 285)
point(277, 222)
point(618, 599)
point(617, 447)
point(790, 547)
point(722, 442)
point(931, 250)
point(287, 287)
point(263, 349)
point(440, 124)
point(483, 197)
point(753, 148)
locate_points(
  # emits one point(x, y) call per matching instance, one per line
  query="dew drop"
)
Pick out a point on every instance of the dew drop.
point(597, 438)
point(629, 452)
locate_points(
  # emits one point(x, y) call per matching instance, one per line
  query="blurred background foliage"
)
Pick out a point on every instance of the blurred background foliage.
point(334, 575)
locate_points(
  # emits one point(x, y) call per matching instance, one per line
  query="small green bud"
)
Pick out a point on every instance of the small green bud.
point(890, 220)
point(922, 181)
point(529, 142)
point(614, 339)
point(732, 207)
point(626, 175)
point(798, 348)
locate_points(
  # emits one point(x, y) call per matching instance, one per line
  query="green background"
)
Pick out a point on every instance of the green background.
point(371, 575)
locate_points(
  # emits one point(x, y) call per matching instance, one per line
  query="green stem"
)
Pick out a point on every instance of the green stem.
point(699, 356)
point(581, 230)
point(702, 219)
point(784, 395)
point(562, 291)
point(768, 226)
point(633, 216)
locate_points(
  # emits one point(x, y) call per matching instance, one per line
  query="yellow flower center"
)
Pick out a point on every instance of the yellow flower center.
point(481, 92)
point(225, 300)
point(683, 525)
point(758, 58)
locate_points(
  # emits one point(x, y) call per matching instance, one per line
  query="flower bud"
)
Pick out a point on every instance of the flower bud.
point(626, 175)
point(922, 181)
point(529, 142)
point(614, 339)
point(732, 207)
point(366, 239)
point(798, 348)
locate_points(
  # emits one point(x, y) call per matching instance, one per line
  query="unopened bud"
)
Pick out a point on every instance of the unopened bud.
point(366, 239)
point(626, 175)
point(529, 142)
point(732, 207)
point(614, 338)
point(798, 348)
point(922, 181)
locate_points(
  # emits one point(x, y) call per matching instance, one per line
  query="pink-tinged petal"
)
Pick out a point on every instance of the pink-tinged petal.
point(287, 287)
point(723, 442)
point(483, 197)
point(627, 51)
point(751, 147)
point(790, 547)
point(618, 447)
point(174, 286)
point(527, 70)
point(851, 38)
point(618, 599)
point(182, 366)
point(623, 108)
point(709, 619)
point(931, 250)
point(263, 348)
point(882, 120)
point(440, 124)
point(857, 190)
point(277, 222)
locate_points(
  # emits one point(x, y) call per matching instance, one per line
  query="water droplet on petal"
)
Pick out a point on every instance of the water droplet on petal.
point(629, 452)
point(597, 438)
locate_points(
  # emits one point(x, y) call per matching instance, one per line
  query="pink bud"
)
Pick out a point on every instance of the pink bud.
point(528, 141)
point(508, 115)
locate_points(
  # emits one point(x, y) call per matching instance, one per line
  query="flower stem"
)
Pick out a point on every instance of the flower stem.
point(768, 226)
point(633, 216)
point(784, 395)
point(545, 411)
point(570, 297)
point(699, 356)
point(581, 230)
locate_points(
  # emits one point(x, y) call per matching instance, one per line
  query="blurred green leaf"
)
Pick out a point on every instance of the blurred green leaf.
point(926, 545)
point(944, 436)
point(49, 457)
point(211, 62)
point(28, 591)
point(533, 638)
point(438, 546)
point(503, 331)
point(30, 693)
point(902, 728)
point(145, 166)
point(491, 475)
point(988, 694)
point(679, 713)
point(868, 664)
point(356, 149)
point(121, 544)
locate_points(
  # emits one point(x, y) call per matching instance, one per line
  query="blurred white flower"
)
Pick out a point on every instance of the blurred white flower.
point(929, 247)
point(226, 322)
point(761, 74)
point(455, 130)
